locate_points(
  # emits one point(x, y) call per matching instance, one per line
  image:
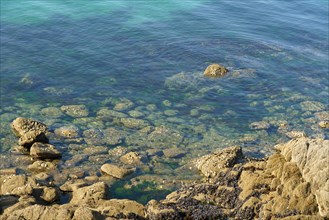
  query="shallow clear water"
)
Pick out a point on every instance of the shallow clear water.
point(98, 54)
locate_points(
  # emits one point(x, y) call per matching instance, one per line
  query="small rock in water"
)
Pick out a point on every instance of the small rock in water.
point(124, 105)
point(131, 158)
point(75, 111)
point(324, 124)
point(173, 152)
point(312, 106)
point(44, 151)
point(67, 131)
point(116, 171)
point(136, 114)
point(259, 125)
point(215, 70)
point(134, 123)
point(51, 112)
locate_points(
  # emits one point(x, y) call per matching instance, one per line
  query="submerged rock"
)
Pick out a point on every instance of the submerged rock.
point(131, 158)
point(173, 152)
point(260, 125)
point(134, 123)
point(52, 112)
point(215, 70)
point(312, 106)
point(69, 131)
point(76, 111)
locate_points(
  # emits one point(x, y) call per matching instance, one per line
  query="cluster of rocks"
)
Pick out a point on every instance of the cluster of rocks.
point(290, 184)
point(33, 137)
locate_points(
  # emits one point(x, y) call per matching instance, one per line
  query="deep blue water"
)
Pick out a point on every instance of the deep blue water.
point(83, 52)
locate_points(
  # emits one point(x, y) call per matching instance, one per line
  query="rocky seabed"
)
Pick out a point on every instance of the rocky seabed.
point(292, 183)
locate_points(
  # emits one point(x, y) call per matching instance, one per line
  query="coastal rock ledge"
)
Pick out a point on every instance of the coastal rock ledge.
point(293, 183)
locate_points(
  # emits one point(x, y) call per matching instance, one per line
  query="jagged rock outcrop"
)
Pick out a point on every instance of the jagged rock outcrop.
point(312, 159)
point(281, 186)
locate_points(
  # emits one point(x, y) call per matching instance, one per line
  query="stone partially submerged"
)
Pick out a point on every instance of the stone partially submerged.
point(215, 70)
point(44, 151)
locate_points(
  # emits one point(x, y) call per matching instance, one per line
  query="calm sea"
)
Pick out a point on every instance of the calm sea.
point(150, 55)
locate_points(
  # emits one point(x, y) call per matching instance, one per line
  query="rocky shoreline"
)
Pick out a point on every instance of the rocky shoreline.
point(290, 184)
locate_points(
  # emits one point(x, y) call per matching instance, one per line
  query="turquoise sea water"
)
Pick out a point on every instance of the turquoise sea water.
point(151, 54)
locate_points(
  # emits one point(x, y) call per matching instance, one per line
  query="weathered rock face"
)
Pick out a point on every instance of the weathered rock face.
point(90, 195)
point(211, 165)
point(40, 212)
point(122, 208)
point(282, 186)
point(23, 125)
point(29, 131)
point(16, 185)
point(311, 158)
point(44, 151)
point(215, 70)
